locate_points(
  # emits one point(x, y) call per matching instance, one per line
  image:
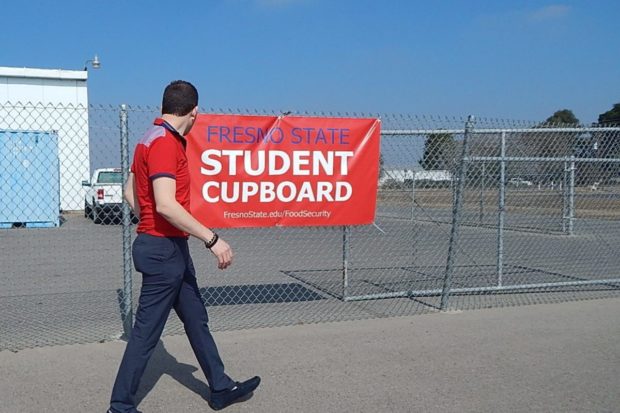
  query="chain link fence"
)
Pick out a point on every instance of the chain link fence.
point(470, 214)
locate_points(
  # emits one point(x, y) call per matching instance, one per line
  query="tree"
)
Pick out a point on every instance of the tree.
point(439, 152)
point(548, 144)
point(607, 144)
point(559, 144)
point(563, 117)
point(483, 173)
point(611, 117)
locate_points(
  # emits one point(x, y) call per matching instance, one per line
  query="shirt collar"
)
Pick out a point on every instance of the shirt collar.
point(170, 128)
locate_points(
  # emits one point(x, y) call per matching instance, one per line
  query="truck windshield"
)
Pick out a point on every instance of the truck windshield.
point(110, 178)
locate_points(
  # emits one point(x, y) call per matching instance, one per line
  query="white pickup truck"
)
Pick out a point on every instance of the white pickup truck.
point(104, 196)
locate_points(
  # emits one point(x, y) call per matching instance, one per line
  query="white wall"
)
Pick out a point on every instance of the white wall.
point(51, 100)
point(400, 175)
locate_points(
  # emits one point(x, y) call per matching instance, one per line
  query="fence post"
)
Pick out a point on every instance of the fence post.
point(456, 216)
point(482, 185)
point(346, 232)
point(413, 196)
point(453, 186)
point(501, 208)
point(571, 196)
point(565, 200)
point(127, 301)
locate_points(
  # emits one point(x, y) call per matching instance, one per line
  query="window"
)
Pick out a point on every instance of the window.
point(110, 178)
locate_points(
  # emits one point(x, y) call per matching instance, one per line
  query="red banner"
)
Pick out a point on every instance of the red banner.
point(260, 171)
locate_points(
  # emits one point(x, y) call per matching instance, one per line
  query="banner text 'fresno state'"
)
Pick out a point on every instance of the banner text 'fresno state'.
point(257, 171)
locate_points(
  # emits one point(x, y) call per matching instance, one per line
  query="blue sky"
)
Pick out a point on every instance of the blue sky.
point(498, 59)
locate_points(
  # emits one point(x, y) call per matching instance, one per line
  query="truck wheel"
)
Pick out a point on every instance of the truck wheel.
point(97, 215)
point(86, 210)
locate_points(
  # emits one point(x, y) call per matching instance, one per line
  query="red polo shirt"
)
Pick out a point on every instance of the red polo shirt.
point(160, 152)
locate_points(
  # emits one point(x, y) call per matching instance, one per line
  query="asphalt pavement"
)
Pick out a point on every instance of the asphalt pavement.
point(561, 357)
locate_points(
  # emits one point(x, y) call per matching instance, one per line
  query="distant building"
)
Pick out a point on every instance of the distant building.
point(51, 100)
point(402, 175)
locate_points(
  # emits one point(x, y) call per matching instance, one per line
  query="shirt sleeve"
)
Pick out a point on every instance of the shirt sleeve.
point(162, 159)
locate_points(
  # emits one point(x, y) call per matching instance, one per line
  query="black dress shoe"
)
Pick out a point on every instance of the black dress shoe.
point(224, 398)
point(114, 411)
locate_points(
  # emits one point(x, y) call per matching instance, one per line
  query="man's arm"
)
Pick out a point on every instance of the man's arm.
point(166, 205)
point(131, 195)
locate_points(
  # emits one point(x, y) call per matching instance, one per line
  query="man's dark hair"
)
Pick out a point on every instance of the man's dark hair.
point(180, 97)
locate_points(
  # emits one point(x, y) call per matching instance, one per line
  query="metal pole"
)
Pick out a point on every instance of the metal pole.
point(127, 306)
point(611, 282)
point(453, 185)
point(345, 262)
point(565, 200)
point(539, 158)
point(571, 197)
point(456, 216)
point(501, 208)
point(391, 132)
point(413, 196)
point(482, 184)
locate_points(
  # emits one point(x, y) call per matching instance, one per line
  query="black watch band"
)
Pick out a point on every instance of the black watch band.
point(209, 244)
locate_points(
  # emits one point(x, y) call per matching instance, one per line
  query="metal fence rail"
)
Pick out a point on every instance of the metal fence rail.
point(471, 213)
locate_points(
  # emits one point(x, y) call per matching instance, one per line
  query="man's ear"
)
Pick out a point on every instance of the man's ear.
point(195, 112)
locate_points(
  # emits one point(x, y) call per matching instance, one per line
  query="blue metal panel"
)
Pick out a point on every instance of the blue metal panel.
point(29, 179)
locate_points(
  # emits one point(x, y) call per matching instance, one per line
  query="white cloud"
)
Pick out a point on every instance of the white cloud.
point(552, 12)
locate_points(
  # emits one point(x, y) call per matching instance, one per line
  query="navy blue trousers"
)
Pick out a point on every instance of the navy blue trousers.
point(168, 281)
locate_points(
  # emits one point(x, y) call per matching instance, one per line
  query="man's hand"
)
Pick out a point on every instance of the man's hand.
point(166, 205)
point(131, 195)
point(223, 253)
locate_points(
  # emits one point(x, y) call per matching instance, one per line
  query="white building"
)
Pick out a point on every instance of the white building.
point(401, 175)
point(51, 100)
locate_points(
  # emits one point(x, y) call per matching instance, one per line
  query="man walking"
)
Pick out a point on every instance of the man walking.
point(158, 191)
